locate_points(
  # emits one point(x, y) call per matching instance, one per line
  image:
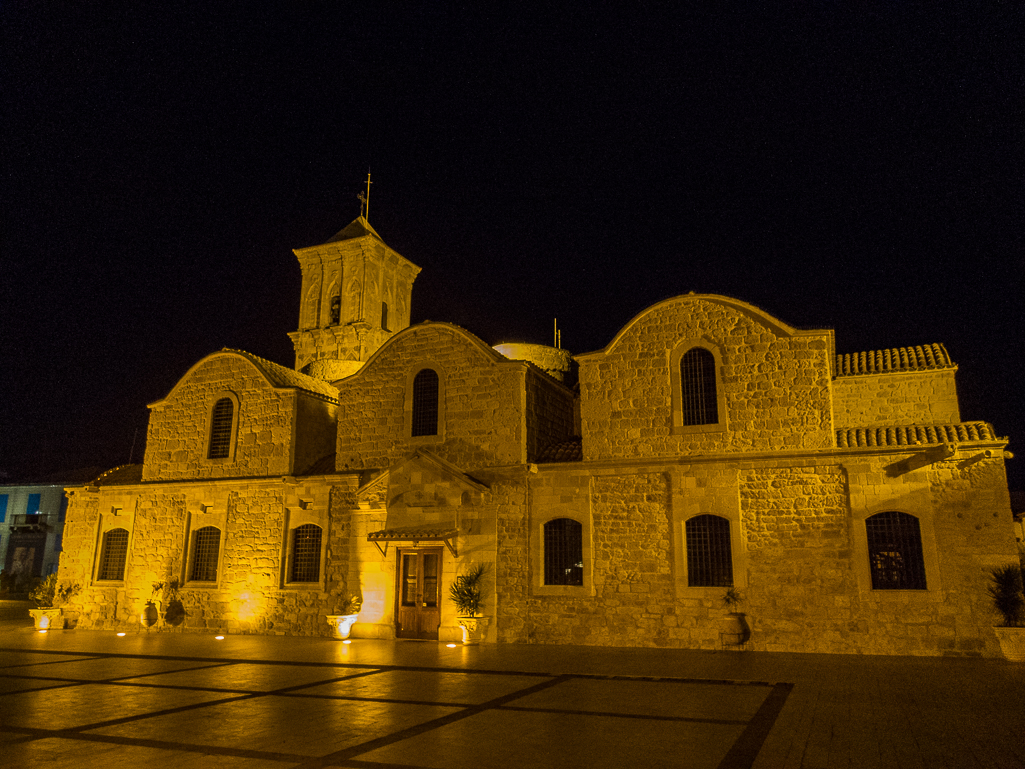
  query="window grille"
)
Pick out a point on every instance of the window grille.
point(425, 403)
point(220, 429)
point(709, 555)
point(114, 554)
point(895, 552)
point(697, 387)
point(204, 554)
point(564, 553)
point(306, 553)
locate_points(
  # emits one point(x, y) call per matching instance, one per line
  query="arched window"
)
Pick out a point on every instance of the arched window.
point(220, 429)
point(699, 402)
point(306, 553)
point(113, 555)
point(564, 553)
point(336, 309)
point(205, 548)
point(425, 403)
point(384, 316)
point(709, 555)
point(895, 552)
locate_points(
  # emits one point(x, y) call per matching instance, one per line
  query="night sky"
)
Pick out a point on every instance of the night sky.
point(860, 170)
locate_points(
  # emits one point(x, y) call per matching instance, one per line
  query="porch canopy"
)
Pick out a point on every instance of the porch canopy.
point(416, 535)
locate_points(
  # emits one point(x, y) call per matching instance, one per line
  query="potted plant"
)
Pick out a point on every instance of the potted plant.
point(467, 593)
point(49, 597)
point(345, 615)
point(734, 630)
point(174, 615)
point(1005, 588)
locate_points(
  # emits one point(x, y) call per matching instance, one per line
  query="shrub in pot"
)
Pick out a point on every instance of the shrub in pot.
point(1005, 588)
point(345, 615)
point(467, 593)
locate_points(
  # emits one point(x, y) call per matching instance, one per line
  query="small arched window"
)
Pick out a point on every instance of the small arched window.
point(204, 554)
point(306, 553)
point(699, 400)
point(895, 551)
point(564, 553)
point(384, 316)
point(220, 429)
point(425, 403)
point(336, 309)
point(709, 554)
point(113, 555)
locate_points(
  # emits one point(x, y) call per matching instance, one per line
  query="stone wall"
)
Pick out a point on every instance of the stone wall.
point(907, 398)
point(549, 413)
point(177, 440)
point(799, 552)
point(480, 418)
point(252, 593)
point(775, 383)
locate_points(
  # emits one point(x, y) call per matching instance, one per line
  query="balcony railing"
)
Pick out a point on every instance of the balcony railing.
point(33, 521)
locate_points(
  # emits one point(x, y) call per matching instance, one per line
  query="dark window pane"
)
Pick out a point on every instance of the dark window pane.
point(220, 429)
point(709, 556)
point(306, 554)
point(425, 403)
point(697, 388)
point(564, 554)
point(204, 555)
point(114, 554)
point(895, 552)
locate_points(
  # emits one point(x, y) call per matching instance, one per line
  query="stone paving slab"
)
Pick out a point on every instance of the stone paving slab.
point(564, 740)
point(315, 702)
point(281, 725)
point(442, 687)
point(247, 677)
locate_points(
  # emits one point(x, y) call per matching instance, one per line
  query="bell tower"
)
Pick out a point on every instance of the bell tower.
point(356, 294)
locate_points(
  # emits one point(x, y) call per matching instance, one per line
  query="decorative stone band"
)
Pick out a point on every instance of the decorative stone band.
point(915, 435)
point(921, 358)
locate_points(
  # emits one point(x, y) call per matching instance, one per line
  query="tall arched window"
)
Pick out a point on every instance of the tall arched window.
point(384, 316)
point(113, 555)
point(204, 554)
point(425, 403)
point(564, 552)
point(699, 401)
point(306, 553)
point(709, 554)
point(220, 429)
point(895, 551)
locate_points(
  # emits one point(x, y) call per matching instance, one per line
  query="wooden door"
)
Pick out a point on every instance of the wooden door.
point(418, 602)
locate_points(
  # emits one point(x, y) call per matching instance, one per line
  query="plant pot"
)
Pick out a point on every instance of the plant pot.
point(474, 629)
point(734, 629)
point(341, 625)
point(1012, 642)
point(47, 619)
point(175, 614)
point(149, 615)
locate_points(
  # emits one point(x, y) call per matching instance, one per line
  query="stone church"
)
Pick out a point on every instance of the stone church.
point(614, 496)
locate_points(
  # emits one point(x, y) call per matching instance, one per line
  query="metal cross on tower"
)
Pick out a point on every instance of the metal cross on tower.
point(364, 199)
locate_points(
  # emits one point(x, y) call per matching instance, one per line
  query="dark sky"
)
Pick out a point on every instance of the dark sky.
point(860, 170)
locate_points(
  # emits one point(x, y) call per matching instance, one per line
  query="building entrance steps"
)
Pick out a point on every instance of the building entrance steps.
point(87, 698)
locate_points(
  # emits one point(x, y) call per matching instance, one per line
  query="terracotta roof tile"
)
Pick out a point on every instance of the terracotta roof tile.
point(279, 376)
point(912, 435)
point(563, 451)
point(921, 358)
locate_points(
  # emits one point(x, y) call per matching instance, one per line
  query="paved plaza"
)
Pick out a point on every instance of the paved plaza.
point(86, 698)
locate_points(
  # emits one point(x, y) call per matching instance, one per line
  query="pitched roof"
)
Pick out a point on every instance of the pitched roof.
point(921, 358)
point(357, 228)
point(563, 451)
point(279, 376)
point(912, 435)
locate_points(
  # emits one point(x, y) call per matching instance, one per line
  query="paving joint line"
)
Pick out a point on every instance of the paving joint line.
point(332, 759)
point(33, 733)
